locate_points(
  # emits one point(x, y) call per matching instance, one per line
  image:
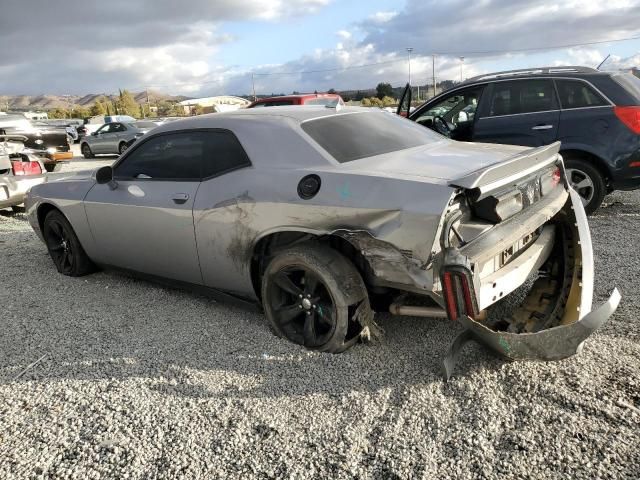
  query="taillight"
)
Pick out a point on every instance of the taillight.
point(630, 116)
point(550, 180)
point(26, 168)
point(458, 294)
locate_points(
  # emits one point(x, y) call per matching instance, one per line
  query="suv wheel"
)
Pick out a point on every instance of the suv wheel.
point(587, 181)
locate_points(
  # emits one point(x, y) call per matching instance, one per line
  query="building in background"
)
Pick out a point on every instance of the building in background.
point(223, 103)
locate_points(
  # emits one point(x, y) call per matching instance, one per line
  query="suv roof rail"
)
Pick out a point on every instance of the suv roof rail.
point(532, 71)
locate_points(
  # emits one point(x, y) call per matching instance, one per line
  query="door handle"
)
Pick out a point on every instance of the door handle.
point(180, 198)
point(542, 127)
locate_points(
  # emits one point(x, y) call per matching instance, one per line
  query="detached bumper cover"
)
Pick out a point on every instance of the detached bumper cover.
point(557, 342)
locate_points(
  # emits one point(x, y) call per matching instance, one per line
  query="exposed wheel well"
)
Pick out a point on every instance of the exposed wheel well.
point(596, 161)
point(270, 244)
point(43, 210)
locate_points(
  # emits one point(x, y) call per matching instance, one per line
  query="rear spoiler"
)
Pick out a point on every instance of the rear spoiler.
point(510, 170)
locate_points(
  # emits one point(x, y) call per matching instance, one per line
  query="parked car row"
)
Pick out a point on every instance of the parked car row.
point(49, 142)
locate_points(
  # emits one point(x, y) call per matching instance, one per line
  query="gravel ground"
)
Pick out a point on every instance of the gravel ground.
point(139, 381)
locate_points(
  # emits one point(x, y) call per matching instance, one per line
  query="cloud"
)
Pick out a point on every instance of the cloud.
point(82, 46)
point(92, 47)
point(433, 26)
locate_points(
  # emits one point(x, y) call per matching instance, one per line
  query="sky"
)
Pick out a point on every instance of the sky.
point(216, 47)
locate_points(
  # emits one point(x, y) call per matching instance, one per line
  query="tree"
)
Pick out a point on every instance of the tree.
point(58, 113)
point(127, 105)
point(80, 112)
point(98, 108)
point(384, 90)
point(332, 90)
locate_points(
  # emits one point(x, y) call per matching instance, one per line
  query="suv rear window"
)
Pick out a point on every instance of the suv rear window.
point(630, 83)
point(577, 94)
point(351, 136)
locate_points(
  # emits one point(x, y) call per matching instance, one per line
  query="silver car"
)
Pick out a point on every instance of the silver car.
point(20, 170)
point(113, 138)
point(325, 215)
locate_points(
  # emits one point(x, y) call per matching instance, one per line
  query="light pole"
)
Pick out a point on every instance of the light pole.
point(461, 64)
point(433, 64)
point(409, 50)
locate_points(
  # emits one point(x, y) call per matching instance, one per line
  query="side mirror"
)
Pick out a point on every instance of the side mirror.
point(93, 134)
point(105, 175)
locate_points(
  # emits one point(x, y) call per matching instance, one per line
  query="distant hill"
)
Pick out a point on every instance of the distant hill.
point(48, 102)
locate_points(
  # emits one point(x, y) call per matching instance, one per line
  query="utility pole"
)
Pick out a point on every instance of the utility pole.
point(409, 50)
point(461, 64)
point(253, 86)
point(433, 60)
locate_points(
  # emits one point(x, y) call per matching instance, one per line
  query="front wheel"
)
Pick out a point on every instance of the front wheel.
point(313, 296)
point(86, 151)
point(587, 181)
point(64, 247)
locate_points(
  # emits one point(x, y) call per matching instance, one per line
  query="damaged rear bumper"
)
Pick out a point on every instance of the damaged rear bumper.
point(539, 338)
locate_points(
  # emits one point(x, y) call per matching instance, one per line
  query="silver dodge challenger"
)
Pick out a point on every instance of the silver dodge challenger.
point(325, 216)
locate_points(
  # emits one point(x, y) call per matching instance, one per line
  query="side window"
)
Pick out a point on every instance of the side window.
point(522, 96)
point(224, 153)
point(117, 127)
point(577, 94)
point(105, 128)
point(175, 156)
point(454, 109)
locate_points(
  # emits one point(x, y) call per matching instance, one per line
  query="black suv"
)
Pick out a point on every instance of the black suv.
point(596, 116)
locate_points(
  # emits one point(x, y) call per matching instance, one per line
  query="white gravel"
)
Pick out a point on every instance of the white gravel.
point(139, 381)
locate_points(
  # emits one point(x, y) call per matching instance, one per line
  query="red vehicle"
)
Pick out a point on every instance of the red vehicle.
point(302, 99)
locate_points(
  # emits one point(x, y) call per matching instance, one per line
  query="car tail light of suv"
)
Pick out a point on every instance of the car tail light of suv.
point(26, 168)
point(630, 116)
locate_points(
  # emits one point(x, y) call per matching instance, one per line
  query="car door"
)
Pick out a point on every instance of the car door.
point(224, 214)
point(119, 131)
point(99, 140)
point(519, 112)
point(452, 114)
point(145, 224)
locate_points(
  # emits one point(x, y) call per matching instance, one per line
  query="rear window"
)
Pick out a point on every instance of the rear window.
point(352, 136)
point(630, 83)
point(577, 94)
point(279, 103)
point(322, 101)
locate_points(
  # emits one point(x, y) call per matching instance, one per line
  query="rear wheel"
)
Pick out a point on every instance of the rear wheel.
point(122, 147)
point(64, 247)
point(86, 151)
point(587, 181)
point(313, 296)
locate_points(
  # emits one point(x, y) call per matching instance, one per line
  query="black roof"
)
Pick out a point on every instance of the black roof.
point(530, 72)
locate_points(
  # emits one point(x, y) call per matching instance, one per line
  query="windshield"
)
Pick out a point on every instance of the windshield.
point(352, 136)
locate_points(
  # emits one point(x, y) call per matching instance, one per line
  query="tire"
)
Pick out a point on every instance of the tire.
point(312, 294)
point(50, 166)
point(64, 247)
point(587, 181)
point(122, 148)
point(86, 151)
point(18, 208)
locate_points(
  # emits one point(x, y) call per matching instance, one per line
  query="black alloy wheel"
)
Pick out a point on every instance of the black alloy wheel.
point(302, 307)
point(311, 293)
point(64, 247)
